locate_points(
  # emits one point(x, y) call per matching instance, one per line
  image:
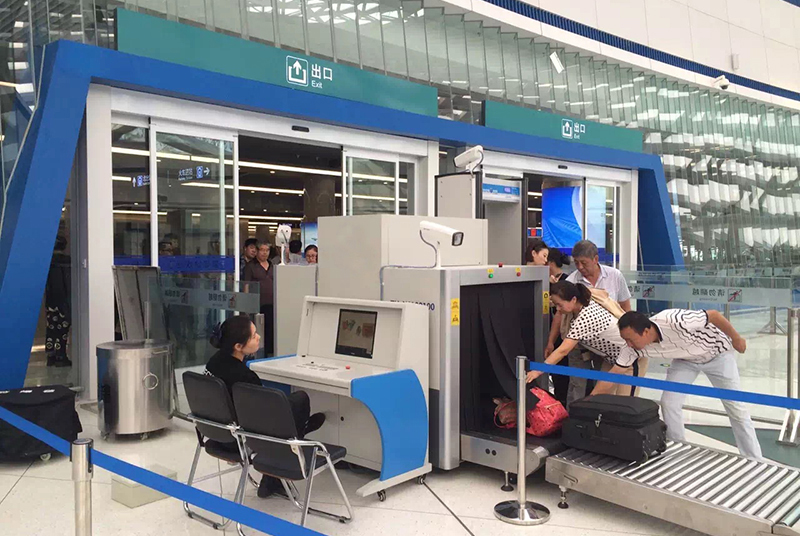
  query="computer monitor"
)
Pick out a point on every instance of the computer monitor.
point(355, 335)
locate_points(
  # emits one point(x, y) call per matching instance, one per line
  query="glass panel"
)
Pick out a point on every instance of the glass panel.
point(560, 87)
point(371, 186)
point(494, 64)
point(600, 225)
point(574, 84)
point(260, 21)
point(544, 75)
point(345, 39)
point(227, 17)
point(528, 71)
point(370, 39)
point(459, 70)
point(437, 46)
point(52, 359)
point(320, 42)
point(511, 67)
point(192, 12)
point(416, 46)
point(195, 229)
point(130, 161)
point(406, 177)
point(291, 26)
point(394, 40)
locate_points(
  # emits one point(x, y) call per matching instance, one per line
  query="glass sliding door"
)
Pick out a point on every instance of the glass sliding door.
point(194, 232)
point(601, 220)
point(371, 183)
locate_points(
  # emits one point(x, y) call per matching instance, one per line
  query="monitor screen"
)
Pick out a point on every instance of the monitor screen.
point(356, 333)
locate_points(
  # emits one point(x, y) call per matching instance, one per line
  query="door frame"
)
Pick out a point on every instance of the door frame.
point(626, 179)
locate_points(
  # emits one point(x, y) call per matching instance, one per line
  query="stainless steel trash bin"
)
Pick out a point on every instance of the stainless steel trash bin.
point(135, 381)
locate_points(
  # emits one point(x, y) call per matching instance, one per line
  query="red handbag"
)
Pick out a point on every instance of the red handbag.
point(543, 420)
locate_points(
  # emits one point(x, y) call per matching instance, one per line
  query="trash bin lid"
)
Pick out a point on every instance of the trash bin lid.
point(135, 349)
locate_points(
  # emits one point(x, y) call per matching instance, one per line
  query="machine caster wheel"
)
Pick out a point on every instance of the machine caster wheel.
point(144, 436)
point(105, 436)
point(382, 496)
point(421, 480)
point(45, 457)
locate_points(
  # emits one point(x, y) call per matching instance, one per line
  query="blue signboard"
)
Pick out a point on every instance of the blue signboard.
point(186, 264)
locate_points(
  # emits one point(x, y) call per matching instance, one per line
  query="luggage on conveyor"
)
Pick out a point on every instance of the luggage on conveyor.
point(51, 407)
point(621, 426)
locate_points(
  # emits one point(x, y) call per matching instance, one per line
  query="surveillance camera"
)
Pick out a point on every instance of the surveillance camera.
point(283, 235)
point(470, 159)
point(433, 235)
point(430, 229)
point(722, 82)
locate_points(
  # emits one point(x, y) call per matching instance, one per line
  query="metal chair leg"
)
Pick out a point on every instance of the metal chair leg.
point(335, 475)
point(309, 483)
point(238, 497)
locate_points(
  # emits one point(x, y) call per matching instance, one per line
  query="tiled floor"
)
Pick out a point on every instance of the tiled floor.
point(36, 498)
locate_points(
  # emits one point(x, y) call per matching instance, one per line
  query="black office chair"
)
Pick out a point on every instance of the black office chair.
point(267, 429)
point(212, 413)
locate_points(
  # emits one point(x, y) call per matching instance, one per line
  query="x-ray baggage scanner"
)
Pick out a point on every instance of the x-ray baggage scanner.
point(364, 364)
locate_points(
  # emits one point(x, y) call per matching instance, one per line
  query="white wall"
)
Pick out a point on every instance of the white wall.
point(764, 33)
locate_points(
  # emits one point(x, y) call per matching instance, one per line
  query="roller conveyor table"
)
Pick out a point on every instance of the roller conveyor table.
point(703, 489)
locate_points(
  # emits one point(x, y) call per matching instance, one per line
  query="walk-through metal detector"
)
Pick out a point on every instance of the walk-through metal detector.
point(503, 202)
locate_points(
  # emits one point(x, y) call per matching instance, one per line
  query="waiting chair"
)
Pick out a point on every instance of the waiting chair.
point(267, 429)
point(212, 413)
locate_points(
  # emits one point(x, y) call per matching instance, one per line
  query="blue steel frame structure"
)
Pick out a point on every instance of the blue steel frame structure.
point(38, 186)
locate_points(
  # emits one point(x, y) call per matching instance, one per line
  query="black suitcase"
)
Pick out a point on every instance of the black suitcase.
point(625, 427)
point(51, 407)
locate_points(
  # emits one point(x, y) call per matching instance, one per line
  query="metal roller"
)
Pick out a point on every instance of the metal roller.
point(711, 471)
point(722, 494)
point(708, 479)
point(778, 483)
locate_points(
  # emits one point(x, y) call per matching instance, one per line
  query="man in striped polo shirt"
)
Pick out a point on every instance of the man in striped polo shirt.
point(695, 341)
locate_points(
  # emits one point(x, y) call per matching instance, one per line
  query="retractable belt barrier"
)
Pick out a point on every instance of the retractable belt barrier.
point(202, 499)
point(664, 385)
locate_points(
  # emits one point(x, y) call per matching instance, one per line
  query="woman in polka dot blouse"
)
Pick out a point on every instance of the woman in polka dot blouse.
point(592, 326)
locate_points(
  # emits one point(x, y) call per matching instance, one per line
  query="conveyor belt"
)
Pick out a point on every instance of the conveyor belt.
point(703, 489)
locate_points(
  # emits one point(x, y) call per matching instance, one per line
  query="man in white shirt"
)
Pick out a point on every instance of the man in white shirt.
point(695, 341)
point(593, 275)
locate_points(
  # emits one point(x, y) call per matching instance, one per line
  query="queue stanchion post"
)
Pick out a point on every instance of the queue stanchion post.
point(82, 471)
point(521, 511)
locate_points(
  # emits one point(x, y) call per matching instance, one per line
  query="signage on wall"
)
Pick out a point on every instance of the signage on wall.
point(550, 125)
point(712, 294)
point(173, 42)
point(140, 180)
point(297, 73)
point(500, 192)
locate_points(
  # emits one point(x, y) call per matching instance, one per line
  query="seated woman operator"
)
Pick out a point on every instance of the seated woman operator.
point(235, 339)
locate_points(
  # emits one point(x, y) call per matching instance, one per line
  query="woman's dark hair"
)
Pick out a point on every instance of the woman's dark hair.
point(534, 244)
point(309, 248)
point(566, 291)
point(558, 258)
point(636, 321)
point(235, 330)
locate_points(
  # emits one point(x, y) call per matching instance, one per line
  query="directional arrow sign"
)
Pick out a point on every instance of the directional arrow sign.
point(297, 71)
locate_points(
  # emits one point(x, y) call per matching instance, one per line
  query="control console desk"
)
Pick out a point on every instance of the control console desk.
point(365, 365)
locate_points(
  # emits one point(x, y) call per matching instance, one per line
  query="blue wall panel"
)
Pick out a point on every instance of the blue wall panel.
point(43, 170)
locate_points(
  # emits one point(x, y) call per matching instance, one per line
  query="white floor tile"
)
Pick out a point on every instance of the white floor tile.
point(14, 468)
point(367, 521)
point(409, 496)
point(473, 491)
point(492, 527)
point(7, 482)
